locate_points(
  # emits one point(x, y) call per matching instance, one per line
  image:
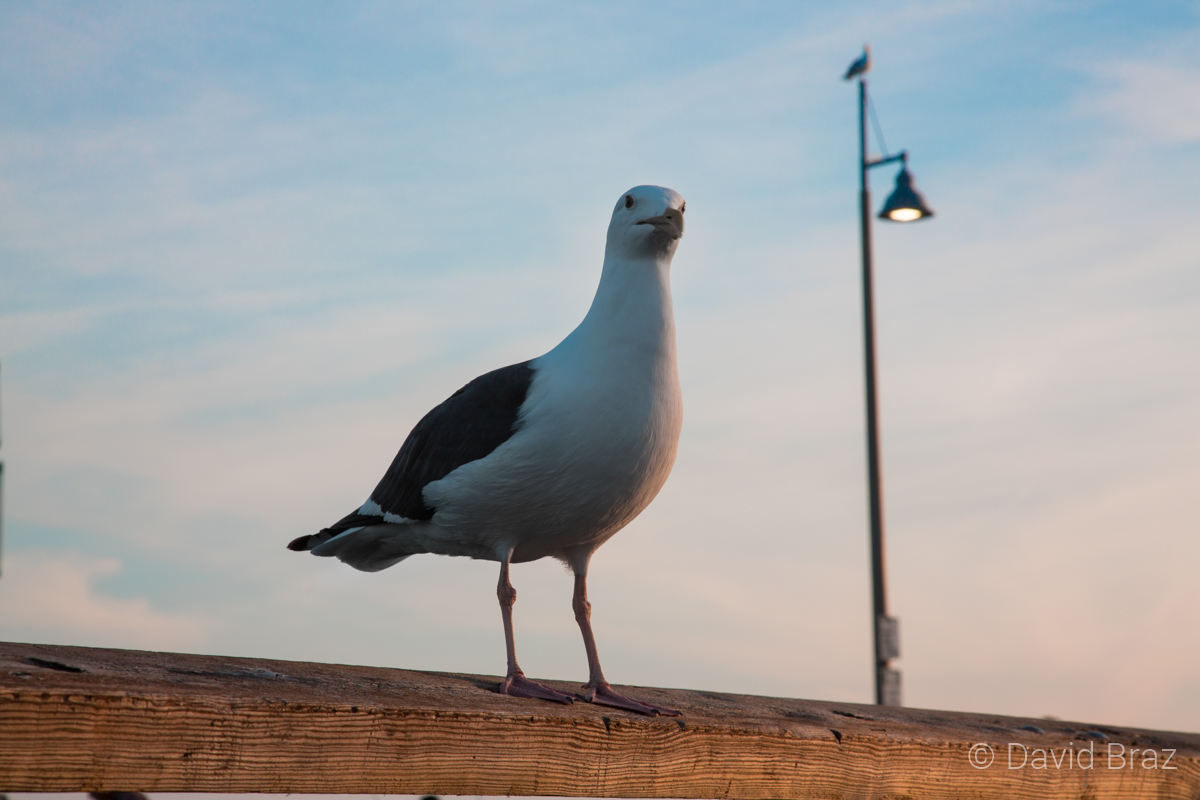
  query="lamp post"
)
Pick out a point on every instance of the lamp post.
point(904, 205)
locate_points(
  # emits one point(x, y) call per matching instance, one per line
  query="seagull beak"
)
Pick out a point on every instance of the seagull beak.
point(670, 223)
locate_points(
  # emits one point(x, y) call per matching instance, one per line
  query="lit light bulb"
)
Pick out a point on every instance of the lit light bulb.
point(904, 214)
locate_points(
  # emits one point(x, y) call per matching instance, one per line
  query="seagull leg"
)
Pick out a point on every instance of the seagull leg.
point(597, 690)
point(515, 683)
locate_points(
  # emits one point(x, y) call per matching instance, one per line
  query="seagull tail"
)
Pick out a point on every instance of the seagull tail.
point(362, 541)
point(310, 540)
point(369, 548)
point(353, 520)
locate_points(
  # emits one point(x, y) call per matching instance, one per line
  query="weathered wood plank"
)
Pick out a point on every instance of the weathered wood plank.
point(130, 720)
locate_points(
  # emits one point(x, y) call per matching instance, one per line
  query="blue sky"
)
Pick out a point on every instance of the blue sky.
point(244, 250)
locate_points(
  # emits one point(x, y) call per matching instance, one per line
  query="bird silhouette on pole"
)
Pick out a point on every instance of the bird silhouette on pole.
point(860, 67)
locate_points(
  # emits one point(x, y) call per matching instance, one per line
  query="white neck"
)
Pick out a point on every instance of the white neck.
point(631, 315)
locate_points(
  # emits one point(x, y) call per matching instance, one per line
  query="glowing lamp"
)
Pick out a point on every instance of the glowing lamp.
point(906, 204)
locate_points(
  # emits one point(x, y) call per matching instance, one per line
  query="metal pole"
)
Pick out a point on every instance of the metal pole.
point(887, 680)
point(1, 517)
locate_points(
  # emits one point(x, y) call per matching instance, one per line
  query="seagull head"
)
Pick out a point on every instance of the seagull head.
point(646, 222)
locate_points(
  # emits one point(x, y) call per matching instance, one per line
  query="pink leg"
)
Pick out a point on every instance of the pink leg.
point(515, 683)
point(597, 690)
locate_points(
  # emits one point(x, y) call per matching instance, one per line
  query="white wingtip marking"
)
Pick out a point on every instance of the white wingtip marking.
point(396, 518)
point(371, 508)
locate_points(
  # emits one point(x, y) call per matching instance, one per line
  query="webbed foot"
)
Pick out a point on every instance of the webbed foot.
point(603, 694)
point(519, 686)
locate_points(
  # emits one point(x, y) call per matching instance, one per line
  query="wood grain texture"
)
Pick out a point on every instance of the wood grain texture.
point(84, 719)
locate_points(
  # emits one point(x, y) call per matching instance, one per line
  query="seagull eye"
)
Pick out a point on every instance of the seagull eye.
point(629, 201)
point(683, 207)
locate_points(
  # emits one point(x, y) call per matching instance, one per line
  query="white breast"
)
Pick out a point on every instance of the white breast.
point(598, 436)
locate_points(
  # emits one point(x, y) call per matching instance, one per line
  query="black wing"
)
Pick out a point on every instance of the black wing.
point(467, 426)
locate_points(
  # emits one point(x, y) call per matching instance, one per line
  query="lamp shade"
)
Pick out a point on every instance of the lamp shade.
point(906, 204)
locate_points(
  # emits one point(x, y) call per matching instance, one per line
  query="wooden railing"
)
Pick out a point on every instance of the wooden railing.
point(83, 719)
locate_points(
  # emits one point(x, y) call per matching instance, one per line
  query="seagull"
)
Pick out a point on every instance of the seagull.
point(549, 457)
point(860, 67)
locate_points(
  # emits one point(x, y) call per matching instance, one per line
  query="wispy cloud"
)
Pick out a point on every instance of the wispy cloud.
point(48, 596)
point(1156, 100)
